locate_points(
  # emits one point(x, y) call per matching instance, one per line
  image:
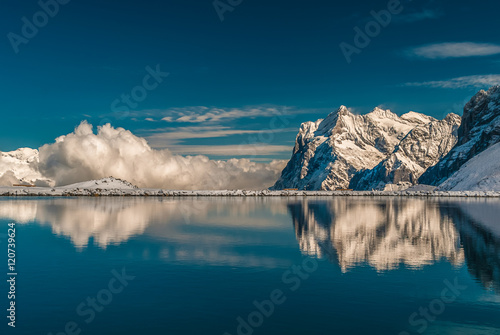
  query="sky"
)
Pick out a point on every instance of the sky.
point(218, 77)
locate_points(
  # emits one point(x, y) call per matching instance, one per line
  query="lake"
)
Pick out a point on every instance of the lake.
point(243, 265)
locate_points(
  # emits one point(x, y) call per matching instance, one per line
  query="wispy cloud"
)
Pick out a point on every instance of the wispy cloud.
point(410, 17)
point(426, 14)
point(231, 150)
point(202, 114)
point(477, 81)
point(454, 50)
point(163, 137)
point(182, 133)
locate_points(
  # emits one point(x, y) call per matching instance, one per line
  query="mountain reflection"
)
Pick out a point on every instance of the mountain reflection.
point(388, 232)
point(479, 226)
point(383, 233)
point(113, 220)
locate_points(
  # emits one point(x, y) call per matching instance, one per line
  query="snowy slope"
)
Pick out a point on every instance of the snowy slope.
point(481, 173)
point(329, 152)
point(109, 183)
point(479, 130)
point(20, 166)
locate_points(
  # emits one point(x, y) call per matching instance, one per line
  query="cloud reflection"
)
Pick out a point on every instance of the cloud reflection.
point(383, 233)
point(191, 229)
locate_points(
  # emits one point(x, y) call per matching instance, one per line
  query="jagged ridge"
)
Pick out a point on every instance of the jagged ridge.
point(423, 147)
point(329, 153)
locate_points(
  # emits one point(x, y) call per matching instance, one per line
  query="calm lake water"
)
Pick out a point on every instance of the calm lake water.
point(340, 265)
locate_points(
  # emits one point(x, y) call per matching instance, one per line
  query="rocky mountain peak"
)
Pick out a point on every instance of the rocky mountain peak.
point(381, 149)
point(421, 148)
point(417, 117)
point(328, 124)
point(379, 112)
point(480, 110)
point(329, 152)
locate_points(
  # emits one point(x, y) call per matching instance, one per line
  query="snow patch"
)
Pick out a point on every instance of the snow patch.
point(109, 183)
point(481, 173)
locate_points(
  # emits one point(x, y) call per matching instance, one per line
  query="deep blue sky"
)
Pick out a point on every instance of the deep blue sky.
point(264, 54)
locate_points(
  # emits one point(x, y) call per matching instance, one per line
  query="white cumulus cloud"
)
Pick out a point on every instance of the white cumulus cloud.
point(85, 155)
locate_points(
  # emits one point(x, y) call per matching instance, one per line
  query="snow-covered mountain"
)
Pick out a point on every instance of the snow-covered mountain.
point(376, 151)
point(329, 153)
point(423, 147)
point(20, 166)
point(480, 129)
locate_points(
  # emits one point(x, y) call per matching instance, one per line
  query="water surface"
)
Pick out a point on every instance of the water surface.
point(337, 265)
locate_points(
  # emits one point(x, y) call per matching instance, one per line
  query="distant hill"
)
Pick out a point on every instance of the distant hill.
point(109, 183)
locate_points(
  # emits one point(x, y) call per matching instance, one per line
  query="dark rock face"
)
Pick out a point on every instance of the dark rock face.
point(479, 130)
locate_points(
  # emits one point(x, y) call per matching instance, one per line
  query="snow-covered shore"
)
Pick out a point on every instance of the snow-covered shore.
point(65, 191)
point(117, 187)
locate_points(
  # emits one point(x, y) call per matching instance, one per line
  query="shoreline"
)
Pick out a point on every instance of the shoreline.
point(64, 192)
